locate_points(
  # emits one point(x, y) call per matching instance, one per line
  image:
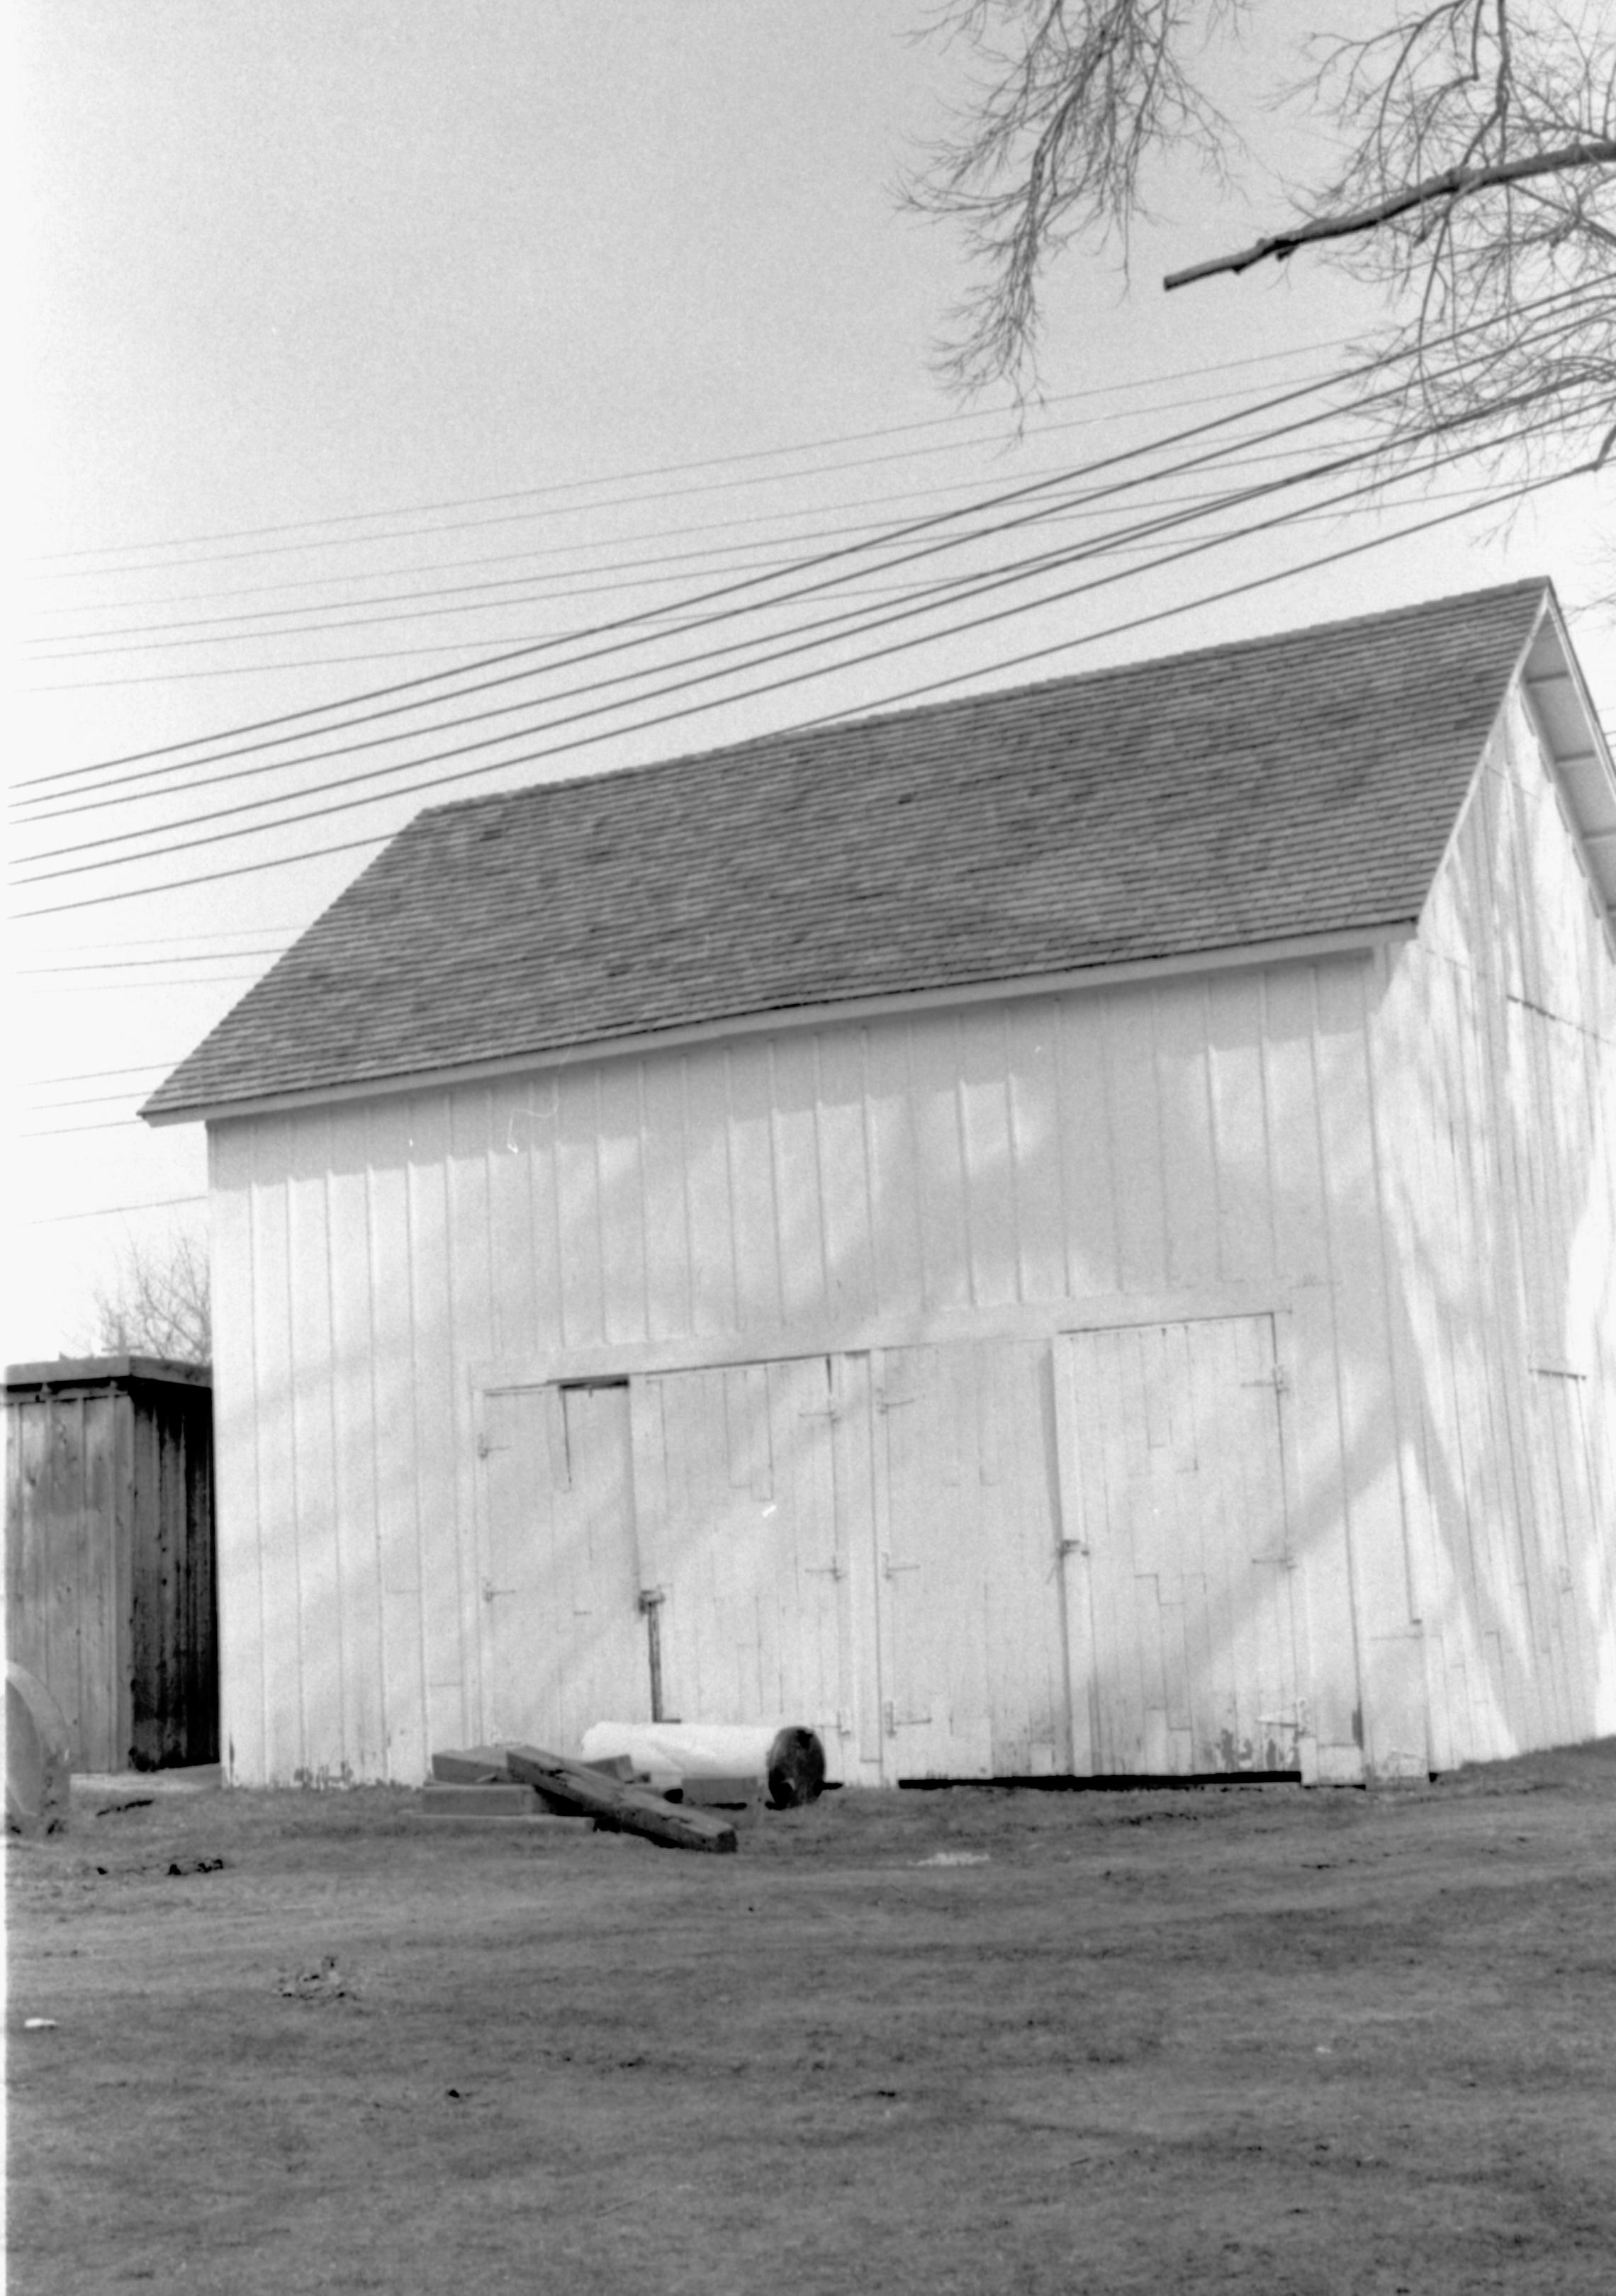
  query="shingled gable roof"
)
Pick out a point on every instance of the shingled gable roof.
point(1295, 785)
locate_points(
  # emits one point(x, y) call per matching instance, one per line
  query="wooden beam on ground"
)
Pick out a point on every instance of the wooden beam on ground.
point(621, 1808)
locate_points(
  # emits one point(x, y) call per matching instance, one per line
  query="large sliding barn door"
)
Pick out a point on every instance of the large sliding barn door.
point(1177, 1559)
point(565, 1642)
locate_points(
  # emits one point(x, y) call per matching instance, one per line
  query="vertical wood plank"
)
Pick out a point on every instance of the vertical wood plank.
point(1135, 1116)
point(1239, 1141)
point(622, 1204)
point(583, 1318)
point(324, 1759)
point(393, 1343)
point(1035, 1148)
point(713, 1229)
point(984, 1106)
point(896, 1211)
point(282, 1564)
point(444, 1565)
point(755, 1209)
point(844, 1175)
point(668, 1241)
point(1088, 1189)
point(238, 1405)
point(802, 1228)
point(940, 1189)
point(357, 1434)
point(512, 1247)
point(1191, 1179)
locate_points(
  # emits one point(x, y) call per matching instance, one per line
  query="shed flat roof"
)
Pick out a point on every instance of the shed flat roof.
point(1294, 785)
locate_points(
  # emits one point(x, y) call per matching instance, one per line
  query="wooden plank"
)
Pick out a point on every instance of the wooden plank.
point(990, 1172)
point(622, 1201)
point(1245, 1230)
point(940, 1161)
point(446, 1575)
point(106, 1527)
point(1089, 1184)
point(619, 1808)
point(310, 1250)
point(894, 1189)
point(360, 1437)
point(1035, 1148)
point(513, 1301)
point(797, 1179)
point(1135, 1114)
point(1189, 1177)
point(397, 1564)
point(238, 1435)
point(752, 1169)
point(849, 1256)
point(669, 1262)
point(583, 1318)
point(857, 1609)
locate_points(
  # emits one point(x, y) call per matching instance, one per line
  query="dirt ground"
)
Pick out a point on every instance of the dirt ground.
point(977, 2040)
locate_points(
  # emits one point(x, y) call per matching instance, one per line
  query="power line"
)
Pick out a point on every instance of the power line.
point(152, 637)
point(173, 751)
point(1066, 646)
point(967, 585)
point(937, 591)
point(111, 1211)
point(94, 1076)
point(125, 963)
point(1216, 597)
point(146, 773)
point(673, 617)
point(711, 462)
point(526, 652)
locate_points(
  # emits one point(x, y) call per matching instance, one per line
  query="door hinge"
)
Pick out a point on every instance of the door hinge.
point(490, 1590)
point(1274, 1377)
point(830, 1570)
point(894, 1721)
point(889, 1568)
point(1073, 1546)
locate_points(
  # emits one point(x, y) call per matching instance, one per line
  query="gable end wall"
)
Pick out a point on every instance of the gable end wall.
point(1495, 1061)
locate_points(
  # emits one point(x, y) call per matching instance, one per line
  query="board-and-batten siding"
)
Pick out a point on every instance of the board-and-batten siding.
point(1497, 1042)
point(1190, 1146)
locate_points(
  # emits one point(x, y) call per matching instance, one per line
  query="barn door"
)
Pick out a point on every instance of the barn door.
point(966, 1523)
point(1177, 1554)
point(566, 1642)
point(744, 1524)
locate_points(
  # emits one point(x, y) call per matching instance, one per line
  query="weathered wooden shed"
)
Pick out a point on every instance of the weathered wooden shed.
point(109, 1554)
point(1066, 1232)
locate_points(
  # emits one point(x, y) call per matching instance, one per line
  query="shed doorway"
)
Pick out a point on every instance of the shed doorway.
point(967, 1522)
point(1178, 1558)
point(565, 1636)
point(752, 1485)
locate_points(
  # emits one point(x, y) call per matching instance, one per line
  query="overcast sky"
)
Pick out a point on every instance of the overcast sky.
point(333, 311)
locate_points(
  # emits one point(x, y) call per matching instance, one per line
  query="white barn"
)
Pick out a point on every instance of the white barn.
point(1064, 1233)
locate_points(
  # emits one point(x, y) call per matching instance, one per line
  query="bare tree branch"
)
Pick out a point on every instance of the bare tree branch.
point(157, 1303)
point(1477, 191)
point(1452, 184)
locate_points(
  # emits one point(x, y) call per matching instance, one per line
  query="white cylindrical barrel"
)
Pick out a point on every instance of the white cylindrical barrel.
point(788, 1757)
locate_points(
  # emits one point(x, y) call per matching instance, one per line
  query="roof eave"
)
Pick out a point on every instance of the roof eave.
point(1245, 955)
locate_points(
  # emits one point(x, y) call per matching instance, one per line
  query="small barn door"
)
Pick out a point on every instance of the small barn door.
point(967, 1524)
point(744, 1531)
point(1177, 1552)
point(566, 1643)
